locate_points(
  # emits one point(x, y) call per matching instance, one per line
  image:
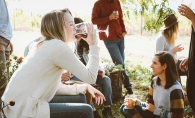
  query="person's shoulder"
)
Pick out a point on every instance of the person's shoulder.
point(55, 43)
point(176, 85)
point(160, 36)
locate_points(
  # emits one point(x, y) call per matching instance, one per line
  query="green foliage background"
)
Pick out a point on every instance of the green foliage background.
point(148, 14)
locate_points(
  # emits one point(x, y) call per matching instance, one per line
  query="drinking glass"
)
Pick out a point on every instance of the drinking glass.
point(81, 29)
point(131, 100)
point(116, 12)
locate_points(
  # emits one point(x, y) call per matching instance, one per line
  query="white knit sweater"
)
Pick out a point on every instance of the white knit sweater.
point(38, 78)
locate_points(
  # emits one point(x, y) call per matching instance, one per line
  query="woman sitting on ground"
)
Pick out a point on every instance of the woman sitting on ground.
point(165, 98)
point(39, 76)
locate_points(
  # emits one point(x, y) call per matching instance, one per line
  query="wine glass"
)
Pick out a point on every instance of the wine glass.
point(81, 29)
point(106, 30)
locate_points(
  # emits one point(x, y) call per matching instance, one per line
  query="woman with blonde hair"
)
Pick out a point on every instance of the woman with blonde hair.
point(166, 40)
point(38, 78)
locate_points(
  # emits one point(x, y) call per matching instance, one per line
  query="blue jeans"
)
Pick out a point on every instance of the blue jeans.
point(81, 98)
point(70, 107)
point(129, 113)
point(105, 83)
point(116, 50)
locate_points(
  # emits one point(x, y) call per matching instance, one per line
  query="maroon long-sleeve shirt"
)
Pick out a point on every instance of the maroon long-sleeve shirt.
point(100, 17)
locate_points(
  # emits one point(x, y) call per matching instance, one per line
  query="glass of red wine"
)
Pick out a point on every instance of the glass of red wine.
point(81, 29)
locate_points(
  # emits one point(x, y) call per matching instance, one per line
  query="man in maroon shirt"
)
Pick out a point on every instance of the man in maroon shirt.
point(108, 13)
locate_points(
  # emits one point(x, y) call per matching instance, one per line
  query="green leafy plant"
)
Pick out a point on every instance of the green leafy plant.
point(111, 68)
point(15, 64)
point(12, 65)
point(188, 111)
point(139, 74)
point(151, 11)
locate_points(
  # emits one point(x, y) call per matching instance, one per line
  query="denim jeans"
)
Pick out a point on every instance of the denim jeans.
point(105, 83)
point(116, 51)
point(70, 107)
point(81, 98)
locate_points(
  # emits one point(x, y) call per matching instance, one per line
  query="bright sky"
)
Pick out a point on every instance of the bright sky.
point(80, 6)
point(43, 6)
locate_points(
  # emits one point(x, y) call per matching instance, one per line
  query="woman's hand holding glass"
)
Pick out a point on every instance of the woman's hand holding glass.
point(83, 29)
point(129, 102)
point(87, 32)
point(92, 38)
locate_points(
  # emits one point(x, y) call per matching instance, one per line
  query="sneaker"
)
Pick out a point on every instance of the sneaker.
point(107, 113)
point(129, 91)
point(96, 114)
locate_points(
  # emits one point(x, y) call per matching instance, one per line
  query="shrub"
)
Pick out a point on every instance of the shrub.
point(137, 73)
point(12, 64)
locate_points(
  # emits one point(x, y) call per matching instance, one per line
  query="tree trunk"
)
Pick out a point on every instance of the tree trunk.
point(116, 78)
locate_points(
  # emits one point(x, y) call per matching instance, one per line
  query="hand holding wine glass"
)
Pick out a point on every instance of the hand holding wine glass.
point(88, 32)
point(114, 15)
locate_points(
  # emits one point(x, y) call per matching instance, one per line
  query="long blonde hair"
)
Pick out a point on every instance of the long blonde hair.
point(53, 25)
point(171, 33)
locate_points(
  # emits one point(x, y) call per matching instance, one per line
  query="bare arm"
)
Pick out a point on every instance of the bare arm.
point(188, 13)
